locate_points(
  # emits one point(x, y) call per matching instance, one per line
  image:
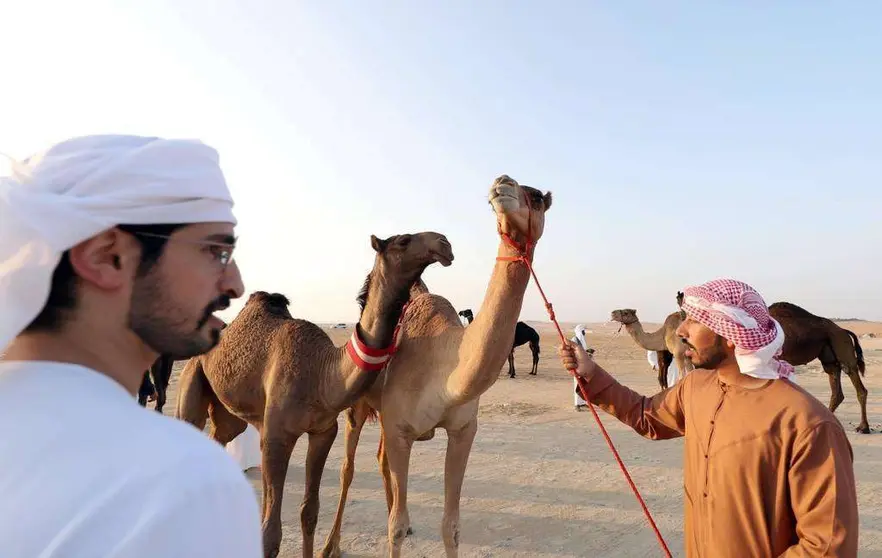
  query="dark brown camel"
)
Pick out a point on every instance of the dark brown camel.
point(524, 334)
point(808, 337)
point(286, 377)
point(161, 374)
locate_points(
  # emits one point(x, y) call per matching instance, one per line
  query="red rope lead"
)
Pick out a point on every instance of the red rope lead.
point(584, 389)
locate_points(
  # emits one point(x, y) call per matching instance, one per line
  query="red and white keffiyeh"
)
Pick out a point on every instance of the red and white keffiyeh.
point(734, 310)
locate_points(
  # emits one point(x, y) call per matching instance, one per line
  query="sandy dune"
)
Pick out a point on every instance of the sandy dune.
point(541, 481)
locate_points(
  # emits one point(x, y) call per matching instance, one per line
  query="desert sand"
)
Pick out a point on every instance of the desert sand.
point(541, 481)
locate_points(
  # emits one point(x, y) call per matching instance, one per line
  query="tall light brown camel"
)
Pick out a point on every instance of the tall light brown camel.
point(441, 370)
point(286, 378)
point(808, 337)
point(663, 339)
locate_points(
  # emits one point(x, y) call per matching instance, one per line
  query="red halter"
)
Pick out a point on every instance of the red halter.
point(374, 360)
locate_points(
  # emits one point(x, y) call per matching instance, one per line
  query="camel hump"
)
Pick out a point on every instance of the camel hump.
point(790, 310)
point(789, 315)
point(272, 303)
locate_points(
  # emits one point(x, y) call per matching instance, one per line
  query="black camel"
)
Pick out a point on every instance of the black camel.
point(524, 334)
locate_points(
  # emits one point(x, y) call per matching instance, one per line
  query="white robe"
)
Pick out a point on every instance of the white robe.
point(86, 471)
point(580, 339)
point(245, 448)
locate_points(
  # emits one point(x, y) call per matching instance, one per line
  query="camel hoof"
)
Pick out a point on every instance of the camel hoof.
point(333, 552)
point(863, 429)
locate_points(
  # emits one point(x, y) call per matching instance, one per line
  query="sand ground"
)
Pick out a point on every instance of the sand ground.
point(541, 481)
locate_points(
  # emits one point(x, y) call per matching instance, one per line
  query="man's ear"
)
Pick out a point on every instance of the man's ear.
point(106, 260)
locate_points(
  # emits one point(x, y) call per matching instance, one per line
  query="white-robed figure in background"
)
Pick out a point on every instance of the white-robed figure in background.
point(579, 338)
point(245, 448)
point(113, 250)
point(673, 373)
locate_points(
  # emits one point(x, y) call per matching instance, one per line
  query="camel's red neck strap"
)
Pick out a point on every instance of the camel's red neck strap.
point(373, 360)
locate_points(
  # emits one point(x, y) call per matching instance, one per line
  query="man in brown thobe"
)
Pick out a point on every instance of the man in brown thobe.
point(768, 469)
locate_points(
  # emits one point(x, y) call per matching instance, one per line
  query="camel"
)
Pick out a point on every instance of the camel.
point(467, 314)
point(663, 339)
point(808, 337)
point(285, 377)
point(524, 334)
point(161, 372)
point(441, 370)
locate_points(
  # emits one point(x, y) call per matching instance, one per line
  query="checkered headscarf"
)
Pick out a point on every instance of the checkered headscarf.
point(736, 312)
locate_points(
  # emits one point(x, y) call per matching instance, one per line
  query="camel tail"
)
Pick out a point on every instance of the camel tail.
point(859, 352)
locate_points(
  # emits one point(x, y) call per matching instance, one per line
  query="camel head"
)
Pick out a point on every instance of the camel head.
point(411, 254)
point(520, 210)
point(625, 316)
point(401, 260)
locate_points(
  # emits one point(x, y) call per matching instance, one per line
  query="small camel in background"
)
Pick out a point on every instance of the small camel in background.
point(524, 334)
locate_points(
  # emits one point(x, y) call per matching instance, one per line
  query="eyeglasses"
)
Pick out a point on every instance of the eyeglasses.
point(222, 251)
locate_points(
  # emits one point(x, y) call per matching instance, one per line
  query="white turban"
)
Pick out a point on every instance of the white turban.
point(87, 185)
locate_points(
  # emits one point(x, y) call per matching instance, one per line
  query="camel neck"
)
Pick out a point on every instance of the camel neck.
point(382, 311)
point(654, 341)
point(376, 327)
point(488, 340)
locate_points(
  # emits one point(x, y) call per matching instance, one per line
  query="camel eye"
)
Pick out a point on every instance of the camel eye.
point(404, 240)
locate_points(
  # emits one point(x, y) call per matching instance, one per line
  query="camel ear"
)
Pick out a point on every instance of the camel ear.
point(378, 244)
point(547, 199)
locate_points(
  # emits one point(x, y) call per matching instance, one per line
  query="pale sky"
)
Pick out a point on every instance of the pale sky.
point(683, 141)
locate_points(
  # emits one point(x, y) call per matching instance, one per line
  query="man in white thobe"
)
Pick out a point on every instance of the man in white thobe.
point(113, 249)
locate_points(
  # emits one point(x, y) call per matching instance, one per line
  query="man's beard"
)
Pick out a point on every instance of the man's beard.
point(161, 324)
point(710, 358)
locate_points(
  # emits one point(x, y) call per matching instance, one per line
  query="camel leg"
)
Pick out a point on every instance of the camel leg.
point(397, 448)
point(276, 453)
point(354, 425)
point(225, 426)
point(145, 390)
point(511, 368)
point(535, 369)
point(459, 446)
point(316, 457)
point(834, 374)
point(855, 377)
point(385, 474)
point(160, 394)
point(662, 373)
point(193, 395)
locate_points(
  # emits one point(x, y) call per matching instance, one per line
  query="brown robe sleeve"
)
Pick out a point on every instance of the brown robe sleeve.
point(823, 494)
point(659, 417)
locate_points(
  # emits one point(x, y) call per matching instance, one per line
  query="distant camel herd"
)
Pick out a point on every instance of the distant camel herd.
point(411, 365)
